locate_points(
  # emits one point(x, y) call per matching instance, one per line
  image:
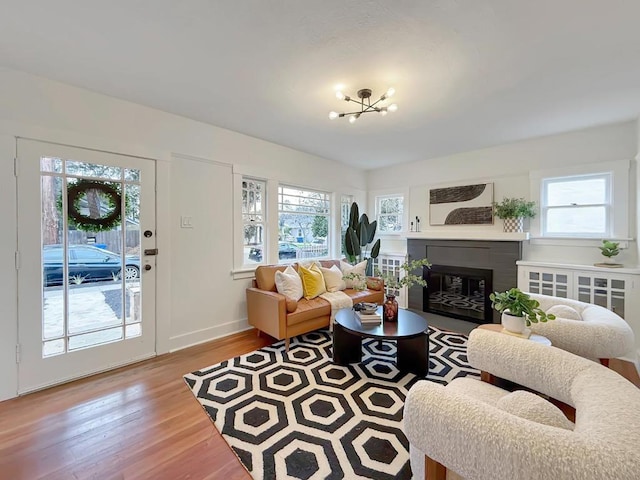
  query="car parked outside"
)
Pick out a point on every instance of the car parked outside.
point(86, 263)
point(285, 251)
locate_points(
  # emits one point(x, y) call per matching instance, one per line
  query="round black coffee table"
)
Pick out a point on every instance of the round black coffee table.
point(410, 332)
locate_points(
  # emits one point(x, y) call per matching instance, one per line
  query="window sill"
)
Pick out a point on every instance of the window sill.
point(243, 273)
point(577, 241)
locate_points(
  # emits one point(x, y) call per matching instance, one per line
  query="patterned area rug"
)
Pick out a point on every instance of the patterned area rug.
point(296, 415)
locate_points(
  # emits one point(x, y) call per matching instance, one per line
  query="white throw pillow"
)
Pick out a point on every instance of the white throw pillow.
point(359, 268)
point(333, 279)
point(289, 284)
point(534, 408)
point(564, 311)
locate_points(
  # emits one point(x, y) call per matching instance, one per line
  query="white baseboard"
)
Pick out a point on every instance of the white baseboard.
point(191, 339)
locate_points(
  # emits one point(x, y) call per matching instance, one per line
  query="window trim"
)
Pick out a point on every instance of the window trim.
point(619, 213)
point(607, 204)
point(403, 215)
point(328, 213)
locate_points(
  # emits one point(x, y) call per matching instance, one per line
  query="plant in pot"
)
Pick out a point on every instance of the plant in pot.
point(513, 211)
point(518, 310)
point(393, 282)
point(360, 233)
point(609, 250)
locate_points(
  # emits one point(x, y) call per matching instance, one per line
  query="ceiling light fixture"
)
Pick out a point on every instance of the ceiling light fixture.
point(365, 104)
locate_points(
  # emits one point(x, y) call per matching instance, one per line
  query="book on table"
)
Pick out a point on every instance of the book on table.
point(369, 318)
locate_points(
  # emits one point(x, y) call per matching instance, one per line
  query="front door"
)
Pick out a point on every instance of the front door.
point(86, 288)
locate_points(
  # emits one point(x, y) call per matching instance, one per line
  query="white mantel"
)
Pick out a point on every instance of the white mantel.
point(469, 235)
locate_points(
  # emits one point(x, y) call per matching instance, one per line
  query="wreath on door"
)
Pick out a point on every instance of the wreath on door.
point(79, 190)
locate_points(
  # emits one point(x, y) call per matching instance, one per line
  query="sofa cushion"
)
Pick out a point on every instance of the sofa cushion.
point(329, 263)
point(312, 281)
point(564, 311)
point(534, 408)
point(266, 276)
point(308, 310)
point(289, 284)
point(333, 279)
point(359, 269)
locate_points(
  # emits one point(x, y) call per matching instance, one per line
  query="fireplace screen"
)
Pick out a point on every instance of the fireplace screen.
point(459, 292)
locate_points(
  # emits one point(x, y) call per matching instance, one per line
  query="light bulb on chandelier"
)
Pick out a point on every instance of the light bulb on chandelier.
point(365, 104)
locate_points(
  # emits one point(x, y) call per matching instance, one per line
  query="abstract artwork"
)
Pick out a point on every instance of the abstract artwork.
point(463, 205)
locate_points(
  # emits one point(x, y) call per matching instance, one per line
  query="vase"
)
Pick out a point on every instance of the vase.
point(512, 225)
point(512, 323)
point(390, 309)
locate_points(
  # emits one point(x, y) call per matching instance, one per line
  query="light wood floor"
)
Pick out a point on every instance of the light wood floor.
point(137, 422)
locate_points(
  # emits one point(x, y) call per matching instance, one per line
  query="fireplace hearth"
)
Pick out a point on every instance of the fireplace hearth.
point(459, 292)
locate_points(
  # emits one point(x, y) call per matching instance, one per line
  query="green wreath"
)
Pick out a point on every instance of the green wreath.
point(88, 224)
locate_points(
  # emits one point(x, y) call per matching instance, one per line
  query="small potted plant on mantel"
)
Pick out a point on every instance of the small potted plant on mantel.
point(518, 310)
point(393, 283)
point(513, 211)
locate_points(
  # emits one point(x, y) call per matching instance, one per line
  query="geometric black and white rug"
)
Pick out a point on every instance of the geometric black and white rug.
point(296, 415)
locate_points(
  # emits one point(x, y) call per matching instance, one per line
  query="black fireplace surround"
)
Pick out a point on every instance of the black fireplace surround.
point(462, 275)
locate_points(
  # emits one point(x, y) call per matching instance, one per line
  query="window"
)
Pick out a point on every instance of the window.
point(253, 219)
point(345, 211)
point(390, 213)
point(576, 206)
point(303, 223)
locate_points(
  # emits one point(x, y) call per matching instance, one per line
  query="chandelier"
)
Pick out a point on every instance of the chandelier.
point(365, 104)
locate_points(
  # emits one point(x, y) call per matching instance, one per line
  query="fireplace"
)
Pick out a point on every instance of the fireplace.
point(459, 292)
point(466, 267)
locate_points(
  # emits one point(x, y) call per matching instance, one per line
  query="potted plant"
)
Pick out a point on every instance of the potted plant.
point(359, 234)
point(513, 211)
point(518, 310)
point(609, 250)
point(393, 282)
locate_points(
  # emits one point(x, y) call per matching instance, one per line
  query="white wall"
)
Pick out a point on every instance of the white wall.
point(197, 296)
point(508, 167)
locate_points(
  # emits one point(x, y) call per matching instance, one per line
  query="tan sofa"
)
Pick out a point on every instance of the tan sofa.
point(283, 318)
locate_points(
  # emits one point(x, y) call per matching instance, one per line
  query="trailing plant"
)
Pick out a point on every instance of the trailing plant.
point(360, 233)
point(408, 279)
point(609, 249)
point(514, 208)
point(519, 304)
point(359, 280)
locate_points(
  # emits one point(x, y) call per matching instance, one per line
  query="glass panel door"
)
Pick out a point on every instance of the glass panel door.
point(94, 308)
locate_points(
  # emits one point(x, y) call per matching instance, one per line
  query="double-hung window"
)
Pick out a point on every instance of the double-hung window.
point(253, 220)
point(390, 213)
point(345, 212)
point(577, 206)
point(303, 223)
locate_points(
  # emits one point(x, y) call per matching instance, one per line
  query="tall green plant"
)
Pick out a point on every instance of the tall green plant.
point(360, 233)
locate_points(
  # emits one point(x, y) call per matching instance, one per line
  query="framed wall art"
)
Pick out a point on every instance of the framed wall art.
point(462, 205)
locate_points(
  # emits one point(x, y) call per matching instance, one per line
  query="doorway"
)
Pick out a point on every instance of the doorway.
point(86, 262)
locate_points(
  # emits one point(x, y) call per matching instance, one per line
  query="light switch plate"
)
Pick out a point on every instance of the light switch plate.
point(186, 221)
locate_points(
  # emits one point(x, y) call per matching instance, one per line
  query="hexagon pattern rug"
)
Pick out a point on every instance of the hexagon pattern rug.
point(296, 415)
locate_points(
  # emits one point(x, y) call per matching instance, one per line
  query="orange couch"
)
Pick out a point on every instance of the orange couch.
point(283, 318)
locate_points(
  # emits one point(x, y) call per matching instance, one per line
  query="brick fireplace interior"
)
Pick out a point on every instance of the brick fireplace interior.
point(463, 274)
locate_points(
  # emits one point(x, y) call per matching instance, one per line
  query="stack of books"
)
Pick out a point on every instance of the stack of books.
point(369, 318)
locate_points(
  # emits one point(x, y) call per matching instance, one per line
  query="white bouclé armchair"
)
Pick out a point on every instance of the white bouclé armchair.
point(467, 428)
point(597, 333)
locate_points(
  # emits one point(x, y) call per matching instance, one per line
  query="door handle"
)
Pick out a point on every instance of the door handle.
point(151, 251)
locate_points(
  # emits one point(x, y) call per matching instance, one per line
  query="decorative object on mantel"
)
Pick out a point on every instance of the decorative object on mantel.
point(462, 205)
point(359, 234)
point(512, 211)
point(609, 250)
point(518, 310)
point(417, 223)
point(365, 104)
point(392, 283)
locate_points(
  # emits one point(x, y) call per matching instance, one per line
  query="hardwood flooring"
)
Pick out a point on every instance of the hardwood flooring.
point(137, 422)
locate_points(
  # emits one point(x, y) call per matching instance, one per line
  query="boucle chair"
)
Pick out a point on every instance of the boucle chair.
point(463, 427)
point(598, 334)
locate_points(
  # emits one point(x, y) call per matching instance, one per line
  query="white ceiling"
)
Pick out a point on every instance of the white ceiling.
point(468, 74)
